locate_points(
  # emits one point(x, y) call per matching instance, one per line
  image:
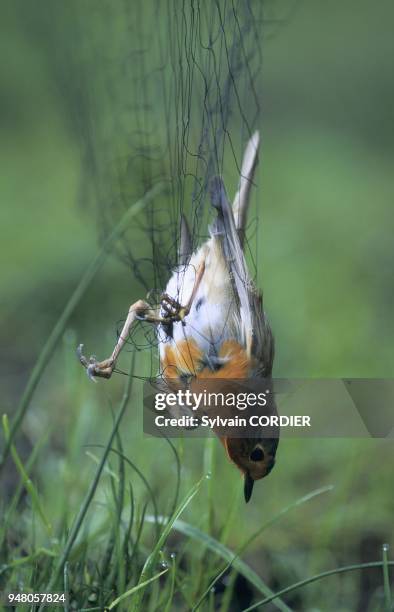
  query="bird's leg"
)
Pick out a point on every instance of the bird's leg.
point(175, 311)
point(103, 369)
point(199, 274)
point(140, 311)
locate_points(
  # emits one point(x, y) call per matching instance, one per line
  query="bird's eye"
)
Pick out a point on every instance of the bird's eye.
point(257, 454)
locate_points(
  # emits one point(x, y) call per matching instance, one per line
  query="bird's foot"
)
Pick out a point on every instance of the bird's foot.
point(95, 369)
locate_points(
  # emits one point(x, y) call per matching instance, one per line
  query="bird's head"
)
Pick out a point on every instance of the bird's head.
point(254, 457)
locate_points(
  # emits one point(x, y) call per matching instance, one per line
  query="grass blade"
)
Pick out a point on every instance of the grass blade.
point(134, 590)
point(386, 579)
point(66, 587)
point(40, 552)
point(172, 585)
point(28, 483)
point(301, 583)
point(16, 497)
point(178, 474)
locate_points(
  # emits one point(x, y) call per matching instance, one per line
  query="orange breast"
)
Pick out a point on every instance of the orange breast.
point(186, 358)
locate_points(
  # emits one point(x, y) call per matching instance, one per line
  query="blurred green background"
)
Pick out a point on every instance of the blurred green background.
point(326, 256)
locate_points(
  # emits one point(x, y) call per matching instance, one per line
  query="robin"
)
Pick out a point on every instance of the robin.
point(210, 322)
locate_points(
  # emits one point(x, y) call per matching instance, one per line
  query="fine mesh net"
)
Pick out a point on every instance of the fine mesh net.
point(160, 92)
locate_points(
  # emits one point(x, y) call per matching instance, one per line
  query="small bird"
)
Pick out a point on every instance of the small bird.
point(210, 322)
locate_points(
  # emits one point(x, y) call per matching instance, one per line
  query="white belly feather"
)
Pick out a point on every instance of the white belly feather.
point(213, 315)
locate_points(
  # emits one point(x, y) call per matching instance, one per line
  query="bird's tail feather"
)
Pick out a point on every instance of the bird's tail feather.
point(242, 197)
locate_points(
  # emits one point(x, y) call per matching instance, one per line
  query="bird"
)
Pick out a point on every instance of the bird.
point(210, 322)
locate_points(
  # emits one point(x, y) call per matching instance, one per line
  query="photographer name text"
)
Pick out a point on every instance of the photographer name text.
point(294, 420)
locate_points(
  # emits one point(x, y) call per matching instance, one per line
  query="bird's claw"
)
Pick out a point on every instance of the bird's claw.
point(94, 368)
point(91, 371)
point(81, 356)
point(172, 309)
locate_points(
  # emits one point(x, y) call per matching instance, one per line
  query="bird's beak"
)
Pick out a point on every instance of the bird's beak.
point(248, 486)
